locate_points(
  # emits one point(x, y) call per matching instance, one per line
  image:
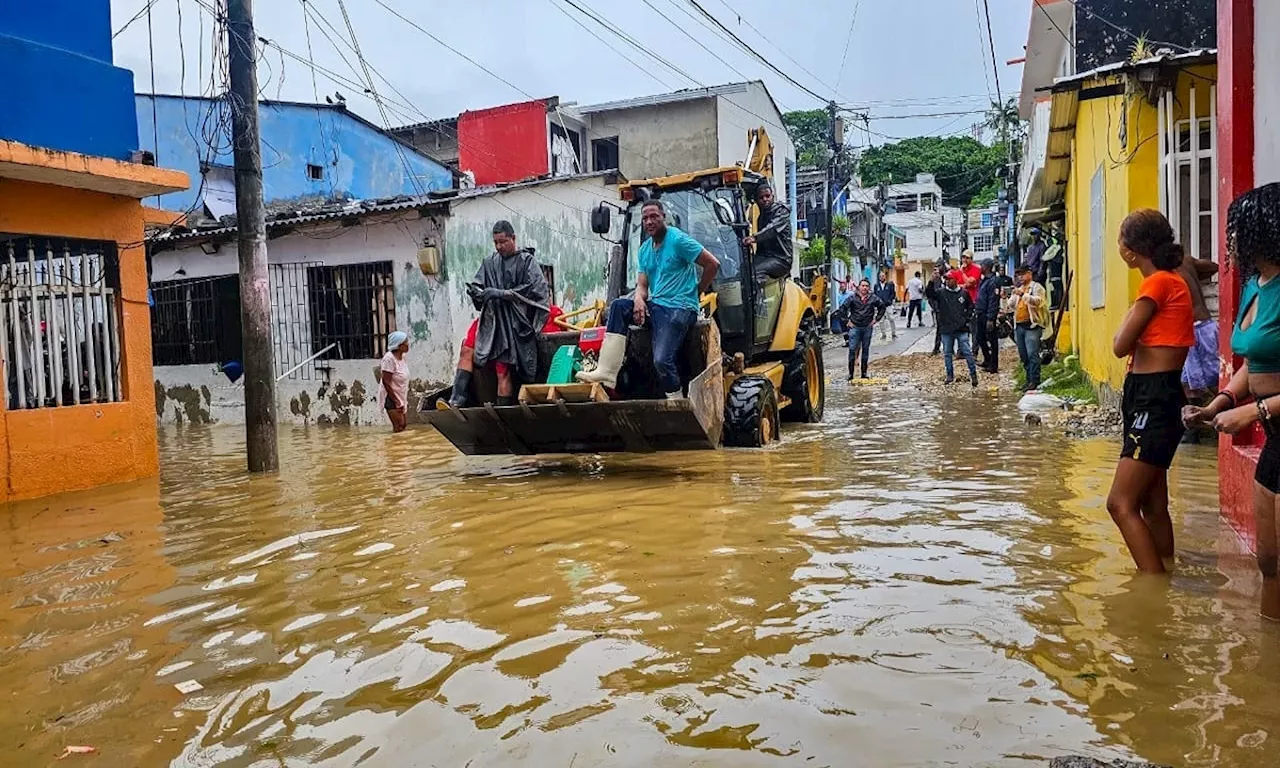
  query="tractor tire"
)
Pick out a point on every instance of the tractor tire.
point(751, 413)
point(805, 380)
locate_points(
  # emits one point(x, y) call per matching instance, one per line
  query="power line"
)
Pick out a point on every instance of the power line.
point(986, 6)
point(611, 46)
point(847, 40)
point(743, 20)
point(982, 54)
point(754, 53)
point(144, 11)
point(629, 40)
point(355, 43)
point(1049, 17)
point(1128, 33)
point(697, 42)
point(442, 43)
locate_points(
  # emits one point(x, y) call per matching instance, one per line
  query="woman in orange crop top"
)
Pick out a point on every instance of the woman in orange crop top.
point(1156, 336)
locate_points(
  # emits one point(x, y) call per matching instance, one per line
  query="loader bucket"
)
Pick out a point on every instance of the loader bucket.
point(634, 426)
point(637, 426)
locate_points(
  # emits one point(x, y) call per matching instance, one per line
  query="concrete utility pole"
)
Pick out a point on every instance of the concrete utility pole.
point(836, 140)
point(255, 285)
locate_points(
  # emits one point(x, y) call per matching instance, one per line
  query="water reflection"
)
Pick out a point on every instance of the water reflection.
point(912, 582)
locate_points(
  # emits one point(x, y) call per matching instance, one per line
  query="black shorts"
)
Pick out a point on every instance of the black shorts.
point(1268, 473)
point(1152, 410)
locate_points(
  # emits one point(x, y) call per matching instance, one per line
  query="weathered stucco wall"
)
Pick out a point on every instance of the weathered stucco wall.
point(553, 217)
point(662, 140)
point(347, 392)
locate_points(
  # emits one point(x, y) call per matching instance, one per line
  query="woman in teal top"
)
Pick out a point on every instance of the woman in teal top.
point(1253, 242)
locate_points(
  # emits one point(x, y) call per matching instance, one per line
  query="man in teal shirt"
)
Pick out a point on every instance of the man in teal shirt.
point(665, 300)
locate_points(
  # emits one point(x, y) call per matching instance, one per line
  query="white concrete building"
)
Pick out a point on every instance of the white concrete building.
point(342, 279)
point(980, 232)
point(916, 210)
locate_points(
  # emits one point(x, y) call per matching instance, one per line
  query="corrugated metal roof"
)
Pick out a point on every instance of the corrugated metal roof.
point(362, 208)
point(1190, 58)
point(1062, 129)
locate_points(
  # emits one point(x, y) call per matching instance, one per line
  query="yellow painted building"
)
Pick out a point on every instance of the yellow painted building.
point(1121, 138)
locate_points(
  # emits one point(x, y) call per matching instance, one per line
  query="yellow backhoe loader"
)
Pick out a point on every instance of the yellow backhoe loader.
point(753, 360)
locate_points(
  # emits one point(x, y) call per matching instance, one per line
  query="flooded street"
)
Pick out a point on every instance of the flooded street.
point(917, 581)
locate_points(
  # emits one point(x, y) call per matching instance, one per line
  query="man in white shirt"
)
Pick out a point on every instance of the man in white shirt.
point(915, 299)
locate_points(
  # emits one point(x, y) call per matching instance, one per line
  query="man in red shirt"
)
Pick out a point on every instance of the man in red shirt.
point(968, 275)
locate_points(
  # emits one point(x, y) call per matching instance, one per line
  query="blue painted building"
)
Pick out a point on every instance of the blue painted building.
point(58, 87)
point(310, 152)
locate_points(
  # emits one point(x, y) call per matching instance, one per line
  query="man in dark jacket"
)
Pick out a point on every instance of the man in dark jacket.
point(955, 310)
point(985, 314)
point(887, 291)
point(931, 293)
point(774, 246)
point(860, 312)
point(511, 293)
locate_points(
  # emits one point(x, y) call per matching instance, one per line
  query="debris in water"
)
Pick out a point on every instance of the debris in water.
point(1076, 761)
point(188, 686)
point(69, 751)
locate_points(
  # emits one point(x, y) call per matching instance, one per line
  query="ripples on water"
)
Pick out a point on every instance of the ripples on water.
point(916, 581)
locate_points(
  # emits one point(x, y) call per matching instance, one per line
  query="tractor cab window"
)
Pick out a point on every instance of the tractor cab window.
point(695, 215)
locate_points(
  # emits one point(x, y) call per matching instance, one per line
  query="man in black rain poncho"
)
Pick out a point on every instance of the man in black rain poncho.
point(511, 294)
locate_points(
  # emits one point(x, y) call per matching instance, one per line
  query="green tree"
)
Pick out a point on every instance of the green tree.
point(962, 165)
point(809, 130)
point(816, 254)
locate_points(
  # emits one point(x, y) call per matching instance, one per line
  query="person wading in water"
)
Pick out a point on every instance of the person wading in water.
point(1155, 336)
point(395, 381)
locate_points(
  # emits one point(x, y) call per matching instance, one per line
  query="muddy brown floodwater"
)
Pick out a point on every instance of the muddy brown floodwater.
point(921, 580)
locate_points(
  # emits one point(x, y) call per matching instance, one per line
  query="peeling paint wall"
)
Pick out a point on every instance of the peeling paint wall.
point(553, 217)
point(338, 391)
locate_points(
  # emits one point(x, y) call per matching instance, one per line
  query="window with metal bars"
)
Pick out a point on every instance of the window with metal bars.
point(196, 321)
point(353, 308)
point(59, 321)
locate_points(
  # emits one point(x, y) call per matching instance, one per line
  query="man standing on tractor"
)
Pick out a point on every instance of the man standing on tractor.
point(665, 300)
point(774, 246)
point(511, 293)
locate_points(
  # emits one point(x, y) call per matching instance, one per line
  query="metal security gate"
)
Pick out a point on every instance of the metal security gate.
point(290, 315)
point(59, 321)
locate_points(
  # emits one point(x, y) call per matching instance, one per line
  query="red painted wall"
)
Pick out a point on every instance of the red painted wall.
point(1238, 456)
point(504, 144)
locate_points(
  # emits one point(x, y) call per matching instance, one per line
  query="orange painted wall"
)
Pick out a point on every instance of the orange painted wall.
point(51, 450)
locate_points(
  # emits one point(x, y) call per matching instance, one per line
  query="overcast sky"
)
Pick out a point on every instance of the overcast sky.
point(904, 57)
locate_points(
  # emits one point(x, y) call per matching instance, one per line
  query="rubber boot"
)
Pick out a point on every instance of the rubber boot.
point(612, 353)
point(461, 394)
point(505, 400)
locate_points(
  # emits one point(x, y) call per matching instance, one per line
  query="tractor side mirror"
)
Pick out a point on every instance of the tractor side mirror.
point(724, 214)
point(601, 219)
